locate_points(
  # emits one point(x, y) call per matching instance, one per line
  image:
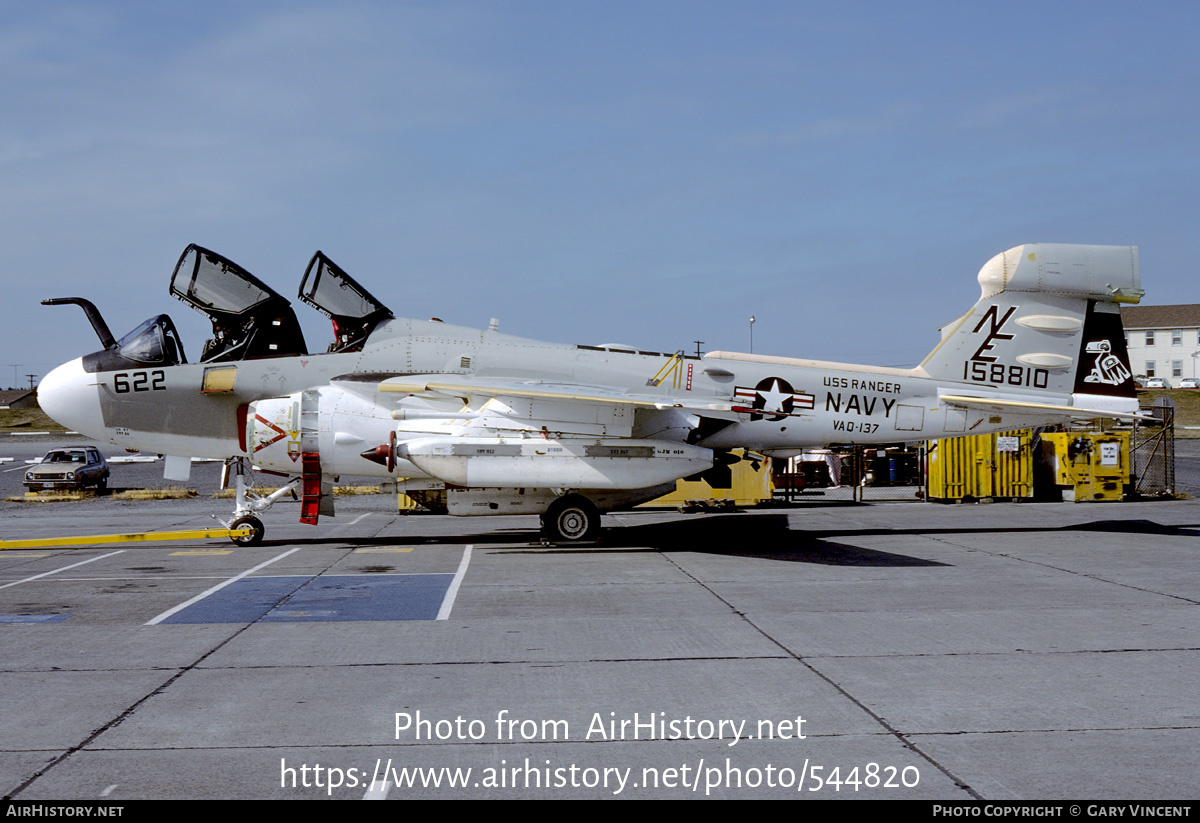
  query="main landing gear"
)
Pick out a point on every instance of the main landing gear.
point(570, 519)
point(248, 503)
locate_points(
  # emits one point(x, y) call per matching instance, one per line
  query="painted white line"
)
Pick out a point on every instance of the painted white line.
point(376, 574)
point(154, 621)
point(339, 529)
point(452, 592)
point(129, 576)
point(30, 434)
point(63, 569)
point(108, 790)
point(378, 791)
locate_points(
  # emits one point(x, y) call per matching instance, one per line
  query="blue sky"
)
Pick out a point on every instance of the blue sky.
point(650, 173)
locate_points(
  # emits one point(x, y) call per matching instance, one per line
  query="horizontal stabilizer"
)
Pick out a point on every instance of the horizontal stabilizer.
point(997, 404)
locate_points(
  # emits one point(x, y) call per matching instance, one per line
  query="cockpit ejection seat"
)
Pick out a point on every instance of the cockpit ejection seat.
point(249, 319)
point(334, 293)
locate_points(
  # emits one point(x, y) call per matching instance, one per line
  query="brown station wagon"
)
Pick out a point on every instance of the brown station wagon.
point(69, 468)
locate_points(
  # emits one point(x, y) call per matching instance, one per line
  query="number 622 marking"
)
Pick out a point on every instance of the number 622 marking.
point(141, 381)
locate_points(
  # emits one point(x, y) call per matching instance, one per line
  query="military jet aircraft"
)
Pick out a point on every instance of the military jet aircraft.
point(475, 422)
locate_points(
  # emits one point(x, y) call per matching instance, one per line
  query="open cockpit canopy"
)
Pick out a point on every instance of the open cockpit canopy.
point(354, 311)
point(249, 319)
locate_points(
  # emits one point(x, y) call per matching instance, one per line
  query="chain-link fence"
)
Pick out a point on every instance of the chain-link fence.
point(1152, 450)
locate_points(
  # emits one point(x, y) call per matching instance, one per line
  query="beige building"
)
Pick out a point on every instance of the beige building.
point(1163, 341)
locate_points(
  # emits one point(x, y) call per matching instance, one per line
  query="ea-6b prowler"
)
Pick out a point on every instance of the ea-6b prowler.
point(471, 421)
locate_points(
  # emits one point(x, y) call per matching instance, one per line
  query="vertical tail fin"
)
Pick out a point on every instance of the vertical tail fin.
point(1047, 322)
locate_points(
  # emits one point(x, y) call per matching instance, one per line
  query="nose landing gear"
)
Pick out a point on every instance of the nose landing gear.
point(248, 503)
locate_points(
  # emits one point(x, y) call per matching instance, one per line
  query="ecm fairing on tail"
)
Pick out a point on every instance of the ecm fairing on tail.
point(472, 421)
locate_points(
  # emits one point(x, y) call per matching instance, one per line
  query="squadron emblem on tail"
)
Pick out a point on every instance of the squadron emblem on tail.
point(1108, 368)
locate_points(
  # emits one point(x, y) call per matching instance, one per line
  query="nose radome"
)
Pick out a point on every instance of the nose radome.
point(68, 394)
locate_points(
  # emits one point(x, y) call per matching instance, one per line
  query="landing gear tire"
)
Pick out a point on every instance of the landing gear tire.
point(248, 521)
point(571, 519)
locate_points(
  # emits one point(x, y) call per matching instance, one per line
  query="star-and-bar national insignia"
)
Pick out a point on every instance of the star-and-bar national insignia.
point(773, 398)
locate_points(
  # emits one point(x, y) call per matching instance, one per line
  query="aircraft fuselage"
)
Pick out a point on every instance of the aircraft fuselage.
point(785, 404)
point(479, 421)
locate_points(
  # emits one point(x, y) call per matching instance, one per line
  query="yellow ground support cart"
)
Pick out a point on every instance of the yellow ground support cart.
point(1089, 466)
point(982, 467)
point(406, 503)
point(741, 479)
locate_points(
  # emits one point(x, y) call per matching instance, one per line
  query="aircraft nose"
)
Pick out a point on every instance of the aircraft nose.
point(69, 395)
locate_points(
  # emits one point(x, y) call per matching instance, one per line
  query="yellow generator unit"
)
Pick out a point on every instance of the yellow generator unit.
point(981, 467)
point(1089, 466)
point(737, 478)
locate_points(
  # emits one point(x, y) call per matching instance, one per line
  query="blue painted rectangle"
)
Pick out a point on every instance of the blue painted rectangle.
point(365, 597)
point(322, 599)
point(33, 618)
point(244, 601)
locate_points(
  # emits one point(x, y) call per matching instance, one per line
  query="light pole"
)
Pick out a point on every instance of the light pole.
point(752, 334)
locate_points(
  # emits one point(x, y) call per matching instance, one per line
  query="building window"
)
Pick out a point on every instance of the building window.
point(1177, 368)
point(1176, 337)
point(1149, 338)
point(1149, 368)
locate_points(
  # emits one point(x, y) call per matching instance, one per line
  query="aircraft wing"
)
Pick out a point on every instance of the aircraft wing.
point(474, 390)
point(537, 434)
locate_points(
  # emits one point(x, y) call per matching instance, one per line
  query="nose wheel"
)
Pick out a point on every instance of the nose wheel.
point(248, 521)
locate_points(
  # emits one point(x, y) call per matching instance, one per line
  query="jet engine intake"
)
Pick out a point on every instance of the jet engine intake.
point(340, 426)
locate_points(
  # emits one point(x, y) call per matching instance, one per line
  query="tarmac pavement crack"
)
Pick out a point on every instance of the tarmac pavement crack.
point(1045, 652)
point(132, 708)
point(1051, 566)
point(890, 729)
point(513, 662)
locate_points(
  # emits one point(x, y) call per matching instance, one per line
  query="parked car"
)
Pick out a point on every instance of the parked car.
point(69, 468)
point(1157, 383)
point(1190, 383)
